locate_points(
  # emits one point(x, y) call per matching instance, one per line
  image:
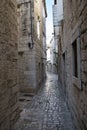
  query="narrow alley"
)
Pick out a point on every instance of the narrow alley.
point(47, 110)
point(43, 65)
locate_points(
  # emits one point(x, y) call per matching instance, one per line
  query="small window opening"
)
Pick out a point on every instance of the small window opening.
point(55, 2)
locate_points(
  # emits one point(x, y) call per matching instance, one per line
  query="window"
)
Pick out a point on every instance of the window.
point(75, 59)
point(18, 6)
point(38, 29)
point(55, 2)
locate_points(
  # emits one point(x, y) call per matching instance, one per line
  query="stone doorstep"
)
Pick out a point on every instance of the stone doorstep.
point(25, 98)
point(29, 91)
point(26, 95)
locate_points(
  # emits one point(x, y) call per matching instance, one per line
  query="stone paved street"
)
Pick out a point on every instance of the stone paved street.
point(47, 110)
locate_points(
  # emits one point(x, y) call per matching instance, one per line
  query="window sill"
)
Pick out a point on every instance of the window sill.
point(76, 81)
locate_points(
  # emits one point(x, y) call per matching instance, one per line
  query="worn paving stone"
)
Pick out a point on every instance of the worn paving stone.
point(47, 110)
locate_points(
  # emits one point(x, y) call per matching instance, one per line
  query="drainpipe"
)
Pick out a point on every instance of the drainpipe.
point(31, 44)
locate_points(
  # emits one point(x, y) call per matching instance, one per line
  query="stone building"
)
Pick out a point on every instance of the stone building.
point(32, 44)
point(9, 109)
point(72, 55)
point(52, 57)
point(57, 20)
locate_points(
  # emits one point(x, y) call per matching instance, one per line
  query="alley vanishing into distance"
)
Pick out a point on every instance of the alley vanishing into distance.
point(47, 110)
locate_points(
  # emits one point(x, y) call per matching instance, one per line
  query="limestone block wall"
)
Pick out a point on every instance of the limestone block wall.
point(26, 61)
point(39, 17)
point(9, 109)
point(75, 32)
point(39, 41)
point(30, 59)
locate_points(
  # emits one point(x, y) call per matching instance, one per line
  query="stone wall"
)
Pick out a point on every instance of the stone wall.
point(26, 60)
point(75, 63)
point(39, 50)
point(30, 57)
point(9, 109)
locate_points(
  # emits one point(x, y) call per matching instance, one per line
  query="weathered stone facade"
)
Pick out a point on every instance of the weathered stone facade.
point(9, 109)
point(31, 36)
point(52, 57)
point(57, 20)
point(73, 59)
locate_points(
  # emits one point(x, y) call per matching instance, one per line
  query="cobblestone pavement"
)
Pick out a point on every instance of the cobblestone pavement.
point(47, 110)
